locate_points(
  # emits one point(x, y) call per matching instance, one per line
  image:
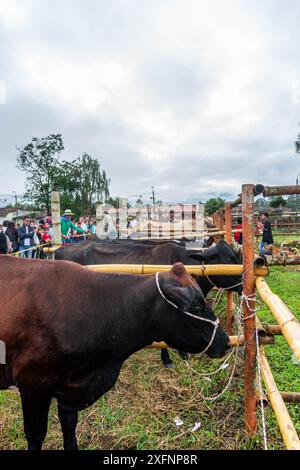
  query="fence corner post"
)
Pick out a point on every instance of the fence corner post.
point(229, 294)
point(249, 308)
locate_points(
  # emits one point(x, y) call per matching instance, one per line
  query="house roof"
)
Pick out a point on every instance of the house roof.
point(4, 211)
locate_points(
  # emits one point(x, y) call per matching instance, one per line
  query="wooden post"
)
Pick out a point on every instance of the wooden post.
point(249, 308)
point(55, 213)
point(229, 295)
point(221, 218)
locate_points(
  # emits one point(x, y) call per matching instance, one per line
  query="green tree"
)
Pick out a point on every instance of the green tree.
point(213, 204)
point(292, 201)
point(93, 184)
point(81, 182)
point(278, 201)
point(40, 161)
point(112, 201)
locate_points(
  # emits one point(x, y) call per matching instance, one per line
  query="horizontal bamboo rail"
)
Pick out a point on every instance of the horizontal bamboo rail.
point(278, 261)
point(289, 325)
point(234, 341)
point(51, 249)
point(291, 397)
point(199, 270)
point(280, 190)
point(273, 329)
point(285, 423)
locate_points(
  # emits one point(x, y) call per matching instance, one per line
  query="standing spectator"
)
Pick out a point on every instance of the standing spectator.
point(5, 225)
point(82, 223)
point(267, 237)
point(26, 236)
point(67, 225)
point(12, 234)
point(49, 219)
point(92, 226)
point(3, 244)
point(172, 217)
point(239, 235)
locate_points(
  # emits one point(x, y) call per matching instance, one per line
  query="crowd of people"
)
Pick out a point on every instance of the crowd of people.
point(27, 238)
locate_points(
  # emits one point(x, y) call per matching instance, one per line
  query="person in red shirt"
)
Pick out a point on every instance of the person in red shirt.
point(46, 236)
point(239, 236)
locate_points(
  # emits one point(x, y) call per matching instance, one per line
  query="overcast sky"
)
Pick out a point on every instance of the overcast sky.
point(194, 97)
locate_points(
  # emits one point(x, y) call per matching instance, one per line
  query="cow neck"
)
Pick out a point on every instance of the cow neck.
point(205, 285)
point(134, 329)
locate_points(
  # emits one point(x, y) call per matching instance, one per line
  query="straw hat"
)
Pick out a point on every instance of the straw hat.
point(68, 212)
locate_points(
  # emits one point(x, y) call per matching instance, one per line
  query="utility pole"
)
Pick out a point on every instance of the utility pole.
point(16, 205)
point(153, 196)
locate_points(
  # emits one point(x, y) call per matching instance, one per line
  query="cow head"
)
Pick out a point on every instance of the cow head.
point(222, 253)
point(178, 294)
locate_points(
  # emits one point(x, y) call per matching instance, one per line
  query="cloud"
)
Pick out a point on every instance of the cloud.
point(194, 98)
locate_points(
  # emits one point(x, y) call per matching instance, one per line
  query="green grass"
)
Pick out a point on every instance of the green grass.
point(278, 239)
point(140, 412)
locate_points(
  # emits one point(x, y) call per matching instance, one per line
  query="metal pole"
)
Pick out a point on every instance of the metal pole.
point(249, 308)
point(229, 295)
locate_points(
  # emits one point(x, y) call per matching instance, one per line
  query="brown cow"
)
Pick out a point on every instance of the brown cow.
point(68, 330)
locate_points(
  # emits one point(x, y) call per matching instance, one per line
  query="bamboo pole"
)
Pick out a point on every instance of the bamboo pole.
point(280, 190)
point(278, 261)
point(291, 397)
point(273, 329)
point(265, 400)
point(285, 423)
point(249, 308)
point(234, 341)
point(199, 270)
point(260, 327)
point(288, 324)
point(229, 294)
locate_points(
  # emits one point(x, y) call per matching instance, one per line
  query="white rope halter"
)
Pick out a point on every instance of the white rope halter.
point(215, 323)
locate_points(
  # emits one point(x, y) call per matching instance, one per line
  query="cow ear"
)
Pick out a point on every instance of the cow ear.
point(183, 297)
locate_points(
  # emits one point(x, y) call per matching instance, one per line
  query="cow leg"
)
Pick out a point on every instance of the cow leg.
point(166, 360)
point(35, 414)
point(68, 420)
point(184, 355)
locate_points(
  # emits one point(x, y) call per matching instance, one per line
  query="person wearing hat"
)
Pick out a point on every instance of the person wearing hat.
point(66, 224)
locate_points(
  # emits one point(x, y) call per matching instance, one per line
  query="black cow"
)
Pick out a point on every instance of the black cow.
point(67, 333)
point(89, 253)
